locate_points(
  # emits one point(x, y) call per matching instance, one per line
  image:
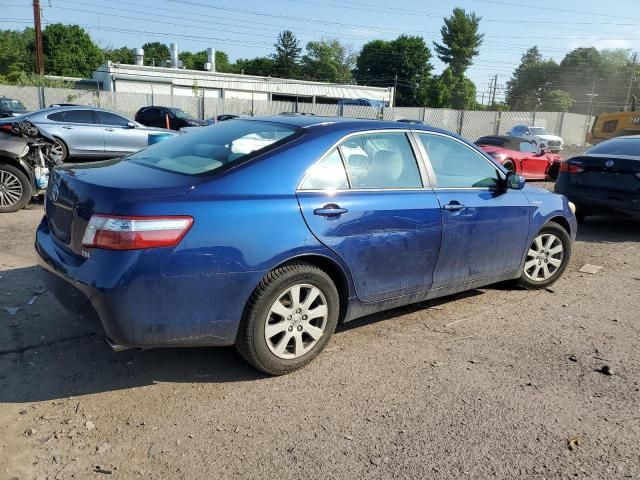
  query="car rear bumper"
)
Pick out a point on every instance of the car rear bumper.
point(135, 308)
point(595, 201)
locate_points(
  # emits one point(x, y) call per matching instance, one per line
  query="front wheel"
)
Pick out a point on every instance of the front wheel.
point(58, 152)
point(289, 318)
point(547, 257)
point(509, 165)
point(15, 189)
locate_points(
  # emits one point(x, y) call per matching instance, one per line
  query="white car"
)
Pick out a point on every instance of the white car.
point(538, 136)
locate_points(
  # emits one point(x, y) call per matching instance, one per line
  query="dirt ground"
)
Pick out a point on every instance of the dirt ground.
point(498, 382)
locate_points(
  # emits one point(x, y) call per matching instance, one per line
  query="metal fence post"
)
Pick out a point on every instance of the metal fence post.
point(460, 121)
point(41, 97)
point(560, 124)
point(497, 122)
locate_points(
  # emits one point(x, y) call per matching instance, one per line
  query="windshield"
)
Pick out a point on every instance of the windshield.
point(12, 105)
point(181, 113)
point(618, 146)
point(538, 131)
point(215, 147)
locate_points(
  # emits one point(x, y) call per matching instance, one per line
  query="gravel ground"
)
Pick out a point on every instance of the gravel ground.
point(498, 382)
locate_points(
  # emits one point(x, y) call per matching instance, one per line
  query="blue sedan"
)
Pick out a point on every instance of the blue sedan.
point(265, 233)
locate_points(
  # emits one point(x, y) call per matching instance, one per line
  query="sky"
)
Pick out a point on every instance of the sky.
point(248, 28)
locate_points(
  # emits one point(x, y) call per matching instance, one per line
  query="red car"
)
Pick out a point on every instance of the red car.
point(522, 157)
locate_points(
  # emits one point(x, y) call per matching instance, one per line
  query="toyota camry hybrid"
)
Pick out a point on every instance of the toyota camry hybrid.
point(266, 232)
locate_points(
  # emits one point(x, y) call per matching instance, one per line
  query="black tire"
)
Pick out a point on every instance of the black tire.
point(509, 165)
point(559, 232)
point(8, 176)
point(251, 342)
point(64, 151)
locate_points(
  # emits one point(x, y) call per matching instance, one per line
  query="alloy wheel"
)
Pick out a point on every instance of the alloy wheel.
point(296, 321)
point(10, 189)
point(57, 152)
point(544, 258)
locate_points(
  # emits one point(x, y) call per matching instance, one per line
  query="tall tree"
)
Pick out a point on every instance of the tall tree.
point(155, 53)
point(119, 55)
point(260, 66)
point(328, 61)
point(460, 41)
point(287, 55)
point(69, 51)
point(450, 91)
point(557, 101)
point(404, 61)
point(531, 81)
point(14, 51)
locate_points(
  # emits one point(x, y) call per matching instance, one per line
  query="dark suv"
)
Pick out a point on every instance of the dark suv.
point(160, 116)
point(11, 108)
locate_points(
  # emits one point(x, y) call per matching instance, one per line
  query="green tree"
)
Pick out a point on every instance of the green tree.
point(260, 66)
point(14, 51)
point(69, 51)
point(531, 81)
point(287, 55)
point(406, 57)
point(155, 53)
point(460, 41)
point(119, 55)
point(328, 61)
point(447, 90)
point(557, 101)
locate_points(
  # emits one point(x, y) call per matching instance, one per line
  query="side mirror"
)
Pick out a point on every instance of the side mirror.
point(131, 125)
point(514, 181)
point(527, 132)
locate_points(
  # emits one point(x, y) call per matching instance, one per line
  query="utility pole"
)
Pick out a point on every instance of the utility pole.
point(495, 88)
point(38, 29)
point(631, 79)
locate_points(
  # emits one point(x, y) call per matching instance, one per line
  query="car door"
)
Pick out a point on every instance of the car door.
point(533, 161)
point(120, 138)
point(152, 117)
point(485, 226)
point(366, 200)
point(80, 131)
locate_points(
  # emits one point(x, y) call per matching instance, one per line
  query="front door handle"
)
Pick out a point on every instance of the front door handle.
point(109, 129)
point(67, 128)
point(330, 210)
point(453, 206)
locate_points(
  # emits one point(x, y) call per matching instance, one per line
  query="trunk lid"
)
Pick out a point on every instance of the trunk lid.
point(607, 173)
point(76, 192)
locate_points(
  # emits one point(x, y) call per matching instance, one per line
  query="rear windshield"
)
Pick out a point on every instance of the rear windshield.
point(180, 113)
point(618, 146)
point(219, 146)
point(12, 104)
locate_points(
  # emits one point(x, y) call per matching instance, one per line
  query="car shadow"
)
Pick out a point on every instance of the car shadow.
point(606, 229)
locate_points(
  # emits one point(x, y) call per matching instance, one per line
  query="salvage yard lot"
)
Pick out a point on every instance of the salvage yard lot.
point(494, 382)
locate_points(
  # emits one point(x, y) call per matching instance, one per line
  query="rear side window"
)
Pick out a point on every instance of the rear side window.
point(609, 126)
point(216, 147)
point(56, 117)
point(78, 116)
point(456, 165)
point(108, 118)
point(528, 147)
point(618, 146)
point(381, 160)
point(327, 174)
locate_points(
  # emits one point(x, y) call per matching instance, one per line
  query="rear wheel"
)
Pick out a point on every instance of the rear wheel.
point(15, 189)
point(547, 257)
point(289, 319)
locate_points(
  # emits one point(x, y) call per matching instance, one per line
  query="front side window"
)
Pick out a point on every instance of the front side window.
point(457, 166)
point(538, 131)
point(215, 147)
point(78, 116)
point(327, 174)
point(108, 118)
point(528, 147)
point(179, 113)
point(381, 160)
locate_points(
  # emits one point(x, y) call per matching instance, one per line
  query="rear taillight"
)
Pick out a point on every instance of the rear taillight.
point(571, 168)
point(133, 233)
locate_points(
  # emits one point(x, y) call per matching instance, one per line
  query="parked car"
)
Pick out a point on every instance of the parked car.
point(24, 164)
point(88, 132)
point(11, 108)
point(521, 156)
point(376, 105)
point(265, 232)
point(167, 117)
point(605, 179)
point(538, 136)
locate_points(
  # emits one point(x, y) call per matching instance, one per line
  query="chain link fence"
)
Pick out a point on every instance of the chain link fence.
point(470, 124)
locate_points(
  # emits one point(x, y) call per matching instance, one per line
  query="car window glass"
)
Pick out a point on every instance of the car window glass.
point(528, 147)
point(56, 117)
point(327, 174)
point(108, 118)
point(617, 146)
point(456, 165)
point(78, 116)
point(381, 160)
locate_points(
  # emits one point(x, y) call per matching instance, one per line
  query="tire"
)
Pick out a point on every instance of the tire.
point(509, 165)
point(59, 152)
point(275, 293)
point(15, 189)
point(534, 272)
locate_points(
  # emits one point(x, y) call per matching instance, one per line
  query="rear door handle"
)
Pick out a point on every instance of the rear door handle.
point(67, 128)
point(453, 206)
point(109, 129)
point(330, 210)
